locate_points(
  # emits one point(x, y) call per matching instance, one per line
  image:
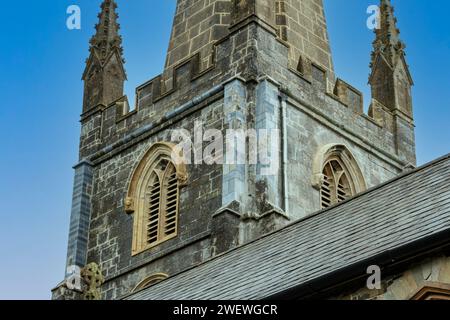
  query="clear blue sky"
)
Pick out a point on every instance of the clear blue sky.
point(41, 63)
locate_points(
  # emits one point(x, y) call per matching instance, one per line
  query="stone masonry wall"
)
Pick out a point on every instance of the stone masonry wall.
point(197, 25)
point(111, 228)
point(310, 134)
point(303, 26)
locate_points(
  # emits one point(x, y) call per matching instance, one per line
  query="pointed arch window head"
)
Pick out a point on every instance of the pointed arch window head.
point(336, 175)
point(153, 197)
point(150, 281)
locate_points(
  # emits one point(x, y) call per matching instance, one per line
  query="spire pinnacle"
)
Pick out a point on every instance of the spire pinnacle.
point(387, 36)
point(107, 38)
point(104, 74)
point(391, 82)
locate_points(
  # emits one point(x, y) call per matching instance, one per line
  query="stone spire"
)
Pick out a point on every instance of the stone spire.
point(390, 78)
point(105, 75)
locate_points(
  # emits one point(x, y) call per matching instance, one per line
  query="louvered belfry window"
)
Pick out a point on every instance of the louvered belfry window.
point(153, 196)
point(336, 186)
point(162, 203)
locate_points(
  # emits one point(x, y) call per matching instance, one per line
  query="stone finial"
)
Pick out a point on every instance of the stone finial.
point(387, 35)
point(107, 37)
point(93, 277)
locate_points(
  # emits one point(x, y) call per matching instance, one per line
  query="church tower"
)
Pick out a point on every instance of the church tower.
point(256, 75)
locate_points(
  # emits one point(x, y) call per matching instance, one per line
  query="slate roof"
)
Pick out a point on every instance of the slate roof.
point(408, 209)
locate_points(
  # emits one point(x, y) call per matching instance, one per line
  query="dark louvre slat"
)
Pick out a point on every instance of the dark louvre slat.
point(326, 192)
point(170, 231)
point(171, 205)
point(170, 225)
point(171, 210)
point(154, 212)
point(152, 223)
point(171, 197)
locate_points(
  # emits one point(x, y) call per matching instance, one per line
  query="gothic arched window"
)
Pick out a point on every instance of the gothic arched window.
point(161, 201)
point(336, 175)
point(337, 185)
point(153, 197)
